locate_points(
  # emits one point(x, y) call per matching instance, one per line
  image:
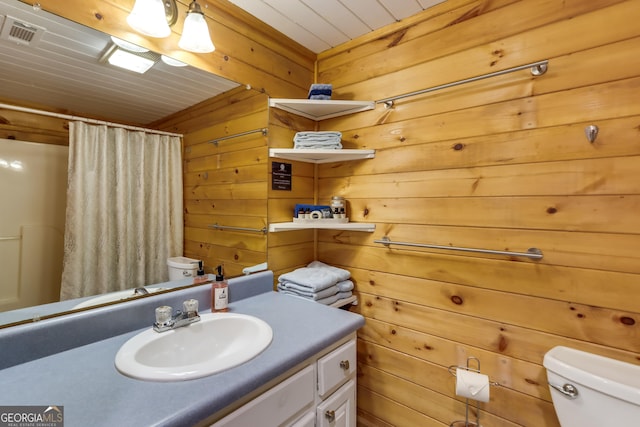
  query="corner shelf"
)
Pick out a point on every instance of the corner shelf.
point(352, 300)
point(320, 109)
point(349, 226)
point(321, 155)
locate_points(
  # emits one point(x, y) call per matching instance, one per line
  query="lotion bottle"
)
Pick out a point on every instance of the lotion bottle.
point(219, 292)
point(200, 276)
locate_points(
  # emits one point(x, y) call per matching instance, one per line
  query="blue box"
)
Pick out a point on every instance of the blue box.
point(325, 210)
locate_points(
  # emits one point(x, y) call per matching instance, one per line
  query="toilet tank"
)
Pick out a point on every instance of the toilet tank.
point(181, 267)
point(608, 390)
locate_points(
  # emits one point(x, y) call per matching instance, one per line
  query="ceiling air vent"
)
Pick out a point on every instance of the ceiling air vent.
point(21, 32)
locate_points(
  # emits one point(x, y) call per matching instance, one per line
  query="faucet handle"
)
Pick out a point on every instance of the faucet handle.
point(163, 314)
point(190, 306)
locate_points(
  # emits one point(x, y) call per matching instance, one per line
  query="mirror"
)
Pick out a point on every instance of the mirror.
point(60, 68)
point(51, 61)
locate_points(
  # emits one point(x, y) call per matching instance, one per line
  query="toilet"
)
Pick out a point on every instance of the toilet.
point(182, 267)
point(592, 391)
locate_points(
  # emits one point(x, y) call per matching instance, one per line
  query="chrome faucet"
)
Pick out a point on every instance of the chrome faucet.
point(166, 320)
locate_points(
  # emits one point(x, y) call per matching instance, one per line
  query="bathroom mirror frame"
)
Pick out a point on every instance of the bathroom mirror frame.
point(46, 315)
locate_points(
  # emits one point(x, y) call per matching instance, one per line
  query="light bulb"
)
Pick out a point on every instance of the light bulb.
point(149, 18)
point(195, 33)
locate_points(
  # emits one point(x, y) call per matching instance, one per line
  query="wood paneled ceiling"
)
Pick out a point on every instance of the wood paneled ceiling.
point(322, 24)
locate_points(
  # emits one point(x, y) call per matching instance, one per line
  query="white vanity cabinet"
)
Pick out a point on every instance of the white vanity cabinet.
point(322, 393)
point(339, 410)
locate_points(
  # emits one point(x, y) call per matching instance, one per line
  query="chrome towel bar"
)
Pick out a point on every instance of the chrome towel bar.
point(533, 253)
point(537, 69)
point(249, 132)
point(262, 230)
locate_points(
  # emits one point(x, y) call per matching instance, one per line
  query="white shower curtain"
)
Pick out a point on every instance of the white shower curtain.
point(124, 209)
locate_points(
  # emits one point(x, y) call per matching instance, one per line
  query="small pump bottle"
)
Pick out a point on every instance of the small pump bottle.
point(200, 276)
point(219, 292)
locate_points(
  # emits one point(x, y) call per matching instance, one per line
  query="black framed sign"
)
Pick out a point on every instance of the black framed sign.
point(281, 176)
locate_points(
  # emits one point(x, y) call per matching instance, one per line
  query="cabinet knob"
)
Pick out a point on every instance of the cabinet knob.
point(331, 416)
point(344, 365)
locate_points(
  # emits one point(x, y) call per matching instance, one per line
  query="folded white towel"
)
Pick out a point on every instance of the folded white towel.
point(292, 288)
point(315, 279)
point(345, 286)
point(322, 135)
point(317, 146)
point(334, 298)
point(326, 301)
point(316, 140)
point(341, 273)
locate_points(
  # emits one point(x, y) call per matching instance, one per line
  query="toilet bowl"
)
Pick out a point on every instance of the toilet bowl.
point(182, 267)
point(592, 391)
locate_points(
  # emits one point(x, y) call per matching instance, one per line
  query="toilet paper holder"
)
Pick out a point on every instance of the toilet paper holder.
point(452, 370)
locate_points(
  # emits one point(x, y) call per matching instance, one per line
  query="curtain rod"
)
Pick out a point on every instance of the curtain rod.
point(85, 119)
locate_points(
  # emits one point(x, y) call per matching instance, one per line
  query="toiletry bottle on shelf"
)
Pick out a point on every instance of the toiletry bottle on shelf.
point(219, 292)
point(200, 276)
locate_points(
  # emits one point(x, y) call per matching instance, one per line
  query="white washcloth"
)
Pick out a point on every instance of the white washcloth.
point(315, 279)
point(340, 272)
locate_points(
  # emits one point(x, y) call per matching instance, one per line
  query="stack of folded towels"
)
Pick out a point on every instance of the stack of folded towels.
point(318, 282)
point(320, 91)
point(323, 139)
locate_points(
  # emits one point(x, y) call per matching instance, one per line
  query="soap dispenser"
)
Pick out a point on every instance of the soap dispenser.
point(219, 292)
point(200, 276)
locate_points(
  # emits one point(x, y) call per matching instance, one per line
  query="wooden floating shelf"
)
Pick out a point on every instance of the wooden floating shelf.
point(350, 226)
point(321, 155)
point(352, 300)
point(320, 109)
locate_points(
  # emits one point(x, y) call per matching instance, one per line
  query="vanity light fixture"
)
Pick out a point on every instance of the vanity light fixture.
point(153, 17)
point(195, 33)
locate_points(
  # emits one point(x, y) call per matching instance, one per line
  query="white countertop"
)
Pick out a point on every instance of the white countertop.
point(85, 382)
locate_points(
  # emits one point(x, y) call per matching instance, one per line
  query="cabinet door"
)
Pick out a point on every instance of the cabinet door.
point(277, 405)
point(339, 410)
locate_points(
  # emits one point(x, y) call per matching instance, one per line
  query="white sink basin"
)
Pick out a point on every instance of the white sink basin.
point(217, 342)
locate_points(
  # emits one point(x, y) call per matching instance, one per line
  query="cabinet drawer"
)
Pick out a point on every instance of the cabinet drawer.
point(276, 406)
point(307, 420)
point(336, 367)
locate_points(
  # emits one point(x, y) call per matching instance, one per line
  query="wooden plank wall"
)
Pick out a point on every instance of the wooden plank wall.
point(32, 127)
point(499, 164)
point(290, 250)
point(225, 183)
